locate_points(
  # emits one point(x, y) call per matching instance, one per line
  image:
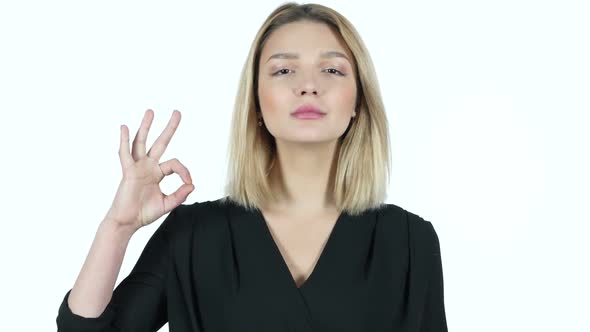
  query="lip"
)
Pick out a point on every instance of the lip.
point(308, 112)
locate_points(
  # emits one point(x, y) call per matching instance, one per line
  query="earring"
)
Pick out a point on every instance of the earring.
point(353, 114)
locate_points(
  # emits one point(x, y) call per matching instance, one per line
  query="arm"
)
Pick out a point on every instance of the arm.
point(138, 303)
point(93, 288)
point(434, 309)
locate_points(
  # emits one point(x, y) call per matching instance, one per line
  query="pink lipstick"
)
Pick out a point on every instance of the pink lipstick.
point(308, 112)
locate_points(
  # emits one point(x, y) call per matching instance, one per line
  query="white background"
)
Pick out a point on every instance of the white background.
point(488, 105)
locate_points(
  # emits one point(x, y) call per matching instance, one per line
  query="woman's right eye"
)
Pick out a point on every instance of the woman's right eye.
point(281, 71)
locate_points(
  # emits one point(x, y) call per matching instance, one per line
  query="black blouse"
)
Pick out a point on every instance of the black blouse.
point(213, 267)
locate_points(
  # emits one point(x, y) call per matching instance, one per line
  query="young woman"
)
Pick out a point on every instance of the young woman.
point(303, 241)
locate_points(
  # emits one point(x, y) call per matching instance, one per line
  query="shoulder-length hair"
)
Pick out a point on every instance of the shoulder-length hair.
point(363, 160)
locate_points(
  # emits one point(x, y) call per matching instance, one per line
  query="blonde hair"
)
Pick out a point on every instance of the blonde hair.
point(363, 160)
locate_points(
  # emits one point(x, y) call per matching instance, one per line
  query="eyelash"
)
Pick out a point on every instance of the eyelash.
point(277, 72)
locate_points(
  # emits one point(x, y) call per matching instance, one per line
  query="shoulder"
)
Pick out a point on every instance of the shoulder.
point(199, 223)
point(205, 217)
point(420, 231)
point(197, 213)
point(181, 218)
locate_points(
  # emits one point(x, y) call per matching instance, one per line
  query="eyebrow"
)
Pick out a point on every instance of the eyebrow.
point(288, 55)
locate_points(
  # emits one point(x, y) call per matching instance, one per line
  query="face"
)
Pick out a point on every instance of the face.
point(305, 63)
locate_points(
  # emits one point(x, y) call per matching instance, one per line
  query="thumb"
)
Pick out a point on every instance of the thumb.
point(176, 198)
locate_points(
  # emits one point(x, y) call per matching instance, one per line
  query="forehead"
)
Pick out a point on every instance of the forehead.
point(304, 37)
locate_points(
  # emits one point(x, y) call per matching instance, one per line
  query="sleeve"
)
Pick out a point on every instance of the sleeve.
point(434, 307)
point(138, 303)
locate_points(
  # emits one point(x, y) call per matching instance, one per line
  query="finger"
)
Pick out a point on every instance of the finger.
point(141, 135)
point(124, 155)
point(175, 166)
point(176, 198)
point(159, 146)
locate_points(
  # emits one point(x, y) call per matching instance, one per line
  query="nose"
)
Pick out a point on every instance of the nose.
point(307, 85)
point(305, 91)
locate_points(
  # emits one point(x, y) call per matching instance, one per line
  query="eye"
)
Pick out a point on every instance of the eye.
point(337, 71)
point(281, 71)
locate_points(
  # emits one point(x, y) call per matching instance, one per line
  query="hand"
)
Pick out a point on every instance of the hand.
point(139, 200)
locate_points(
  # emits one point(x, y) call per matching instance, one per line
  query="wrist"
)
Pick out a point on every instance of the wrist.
point(116, 231)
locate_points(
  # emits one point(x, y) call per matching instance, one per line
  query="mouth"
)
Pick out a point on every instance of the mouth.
point(308, 112)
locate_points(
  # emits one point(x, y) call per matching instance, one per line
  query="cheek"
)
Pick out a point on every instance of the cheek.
point(269, 95)
point(347, 98)
point(350, 95)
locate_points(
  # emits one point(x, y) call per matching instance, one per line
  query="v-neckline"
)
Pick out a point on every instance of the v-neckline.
point(276, 252)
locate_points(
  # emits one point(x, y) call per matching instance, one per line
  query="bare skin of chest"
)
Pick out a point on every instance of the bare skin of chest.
point(300, 242)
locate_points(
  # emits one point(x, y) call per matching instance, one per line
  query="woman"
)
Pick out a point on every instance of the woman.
point(303, 240)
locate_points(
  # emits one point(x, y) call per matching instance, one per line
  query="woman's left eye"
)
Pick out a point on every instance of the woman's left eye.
point(336, 70)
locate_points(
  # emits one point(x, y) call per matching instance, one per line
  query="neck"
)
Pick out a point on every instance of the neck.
point(303, 176)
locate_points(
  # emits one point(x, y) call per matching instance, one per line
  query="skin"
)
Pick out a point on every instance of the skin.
point(304, 213)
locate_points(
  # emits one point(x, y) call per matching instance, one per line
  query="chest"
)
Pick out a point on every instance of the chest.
point(257, 271)
point(300, 242)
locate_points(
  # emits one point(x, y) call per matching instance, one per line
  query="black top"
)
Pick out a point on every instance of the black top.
point(214, 267)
